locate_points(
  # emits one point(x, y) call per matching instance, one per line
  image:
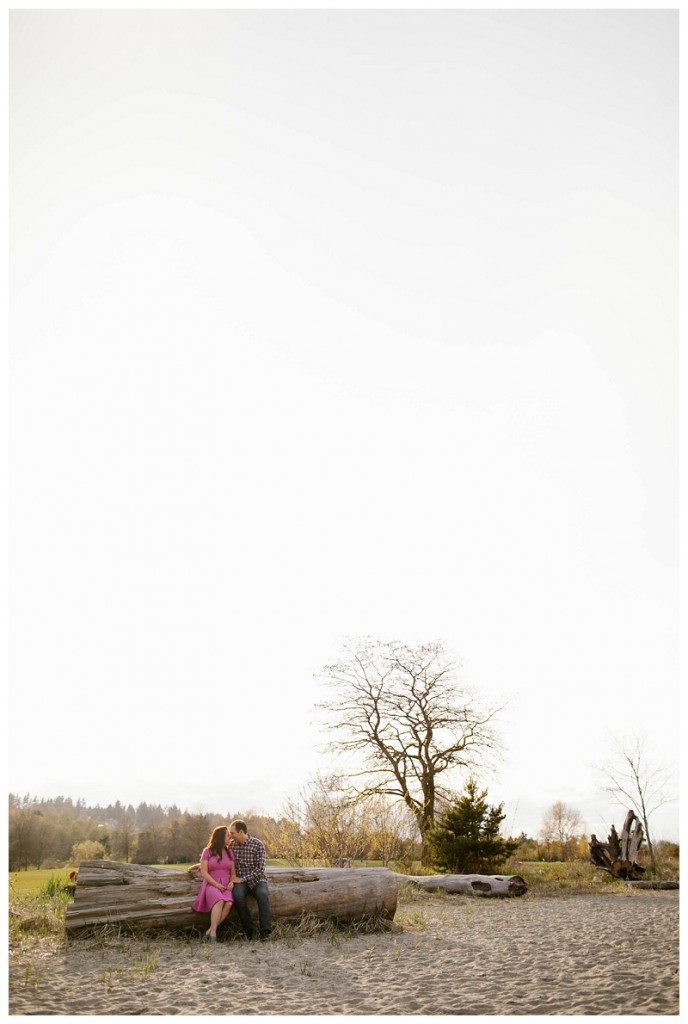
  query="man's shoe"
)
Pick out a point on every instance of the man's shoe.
point(265, 935)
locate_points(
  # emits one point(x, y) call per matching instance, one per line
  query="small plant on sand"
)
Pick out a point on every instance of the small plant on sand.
point(31, 975)
point(395, 953)
point(146, 965)
point(108, 976)
point(416, 921)
point(372, 955)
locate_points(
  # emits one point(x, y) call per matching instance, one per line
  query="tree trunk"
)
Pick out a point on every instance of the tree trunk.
point(475, 885)
point(141, 898)
point(618, 855)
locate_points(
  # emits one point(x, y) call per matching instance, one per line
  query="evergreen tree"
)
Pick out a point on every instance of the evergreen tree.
point(465, 838)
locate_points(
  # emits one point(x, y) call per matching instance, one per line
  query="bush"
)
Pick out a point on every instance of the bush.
point(89, 849)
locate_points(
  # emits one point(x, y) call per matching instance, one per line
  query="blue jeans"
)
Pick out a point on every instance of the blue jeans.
point(261, 895)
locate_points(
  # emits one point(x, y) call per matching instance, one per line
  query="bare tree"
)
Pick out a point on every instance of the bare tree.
point(561, 825)
point(284, 839)
point(403, 711)
point(391, 828)
point(630, 777)
point(332, 825)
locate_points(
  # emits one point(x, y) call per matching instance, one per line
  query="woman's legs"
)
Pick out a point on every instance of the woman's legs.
point(219, 912)
point(215, 918)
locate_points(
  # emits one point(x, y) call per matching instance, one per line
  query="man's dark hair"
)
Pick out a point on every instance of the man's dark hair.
point(239, 825)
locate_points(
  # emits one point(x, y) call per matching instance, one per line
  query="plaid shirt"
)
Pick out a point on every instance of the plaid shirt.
point(250, 861)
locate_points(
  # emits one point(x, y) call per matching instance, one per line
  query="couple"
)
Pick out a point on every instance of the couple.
point(232, 866)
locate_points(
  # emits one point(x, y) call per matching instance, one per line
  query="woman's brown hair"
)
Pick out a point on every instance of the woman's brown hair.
point(216, 843)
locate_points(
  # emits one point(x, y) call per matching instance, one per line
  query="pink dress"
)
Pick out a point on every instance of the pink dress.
point(221, 871)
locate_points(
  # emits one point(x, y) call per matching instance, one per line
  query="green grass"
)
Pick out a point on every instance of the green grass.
point(175, 867)
point(32, 883)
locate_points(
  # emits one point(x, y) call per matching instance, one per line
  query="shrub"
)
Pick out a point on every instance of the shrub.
point(465, 838)
point(89, 849)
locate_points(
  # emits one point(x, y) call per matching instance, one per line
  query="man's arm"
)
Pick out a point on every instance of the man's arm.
point(256, 867)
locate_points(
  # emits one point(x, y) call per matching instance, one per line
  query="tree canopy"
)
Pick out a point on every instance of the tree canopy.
point(404, 712)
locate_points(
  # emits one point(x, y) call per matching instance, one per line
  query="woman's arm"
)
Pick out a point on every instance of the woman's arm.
point(207, 877)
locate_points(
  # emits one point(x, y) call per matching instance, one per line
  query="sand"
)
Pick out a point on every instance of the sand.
point(580, 954)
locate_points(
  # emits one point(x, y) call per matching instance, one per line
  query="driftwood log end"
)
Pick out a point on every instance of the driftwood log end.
point(618, 854)
point(149, 898)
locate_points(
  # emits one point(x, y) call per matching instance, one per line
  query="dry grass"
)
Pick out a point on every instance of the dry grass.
point(545, 878)
point(36, 915)
point(35, 920)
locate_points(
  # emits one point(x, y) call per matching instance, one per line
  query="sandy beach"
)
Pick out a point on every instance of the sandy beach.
point(580, 954)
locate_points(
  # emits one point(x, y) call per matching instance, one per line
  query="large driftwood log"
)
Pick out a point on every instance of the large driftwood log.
point(618, 855)
point(476, 885)
point(141, 898)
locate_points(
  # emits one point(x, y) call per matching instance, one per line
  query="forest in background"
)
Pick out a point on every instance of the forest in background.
point(322, 828)
point(58, 831)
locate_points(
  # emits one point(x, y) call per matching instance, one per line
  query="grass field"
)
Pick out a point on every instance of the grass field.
point(30, 883)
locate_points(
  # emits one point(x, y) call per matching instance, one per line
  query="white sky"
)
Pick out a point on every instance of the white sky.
point(339, 322)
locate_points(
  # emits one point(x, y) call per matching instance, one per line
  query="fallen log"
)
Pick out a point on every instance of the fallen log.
point(475, 885)
point(618, 855)
point(149, 898)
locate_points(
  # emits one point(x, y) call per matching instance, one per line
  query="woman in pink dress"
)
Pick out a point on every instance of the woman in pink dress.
point(217, 869)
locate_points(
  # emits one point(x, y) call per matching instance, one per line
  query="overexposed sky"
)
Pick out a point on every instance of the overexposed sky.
point(328, 323)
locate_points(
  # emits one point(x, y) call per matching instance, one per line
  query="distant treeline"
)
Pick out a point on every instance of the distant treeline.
point(322, 828)
point(112, 814)
point(59, 831)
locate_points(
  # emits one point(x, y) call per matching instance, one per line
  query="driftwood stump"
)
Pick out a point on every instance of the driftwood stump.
point(148, 898)
point(475, 885)
point(618, 855)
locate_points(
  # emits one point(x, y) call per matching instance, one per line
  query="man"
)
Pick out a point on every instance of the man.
point(249, 854)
